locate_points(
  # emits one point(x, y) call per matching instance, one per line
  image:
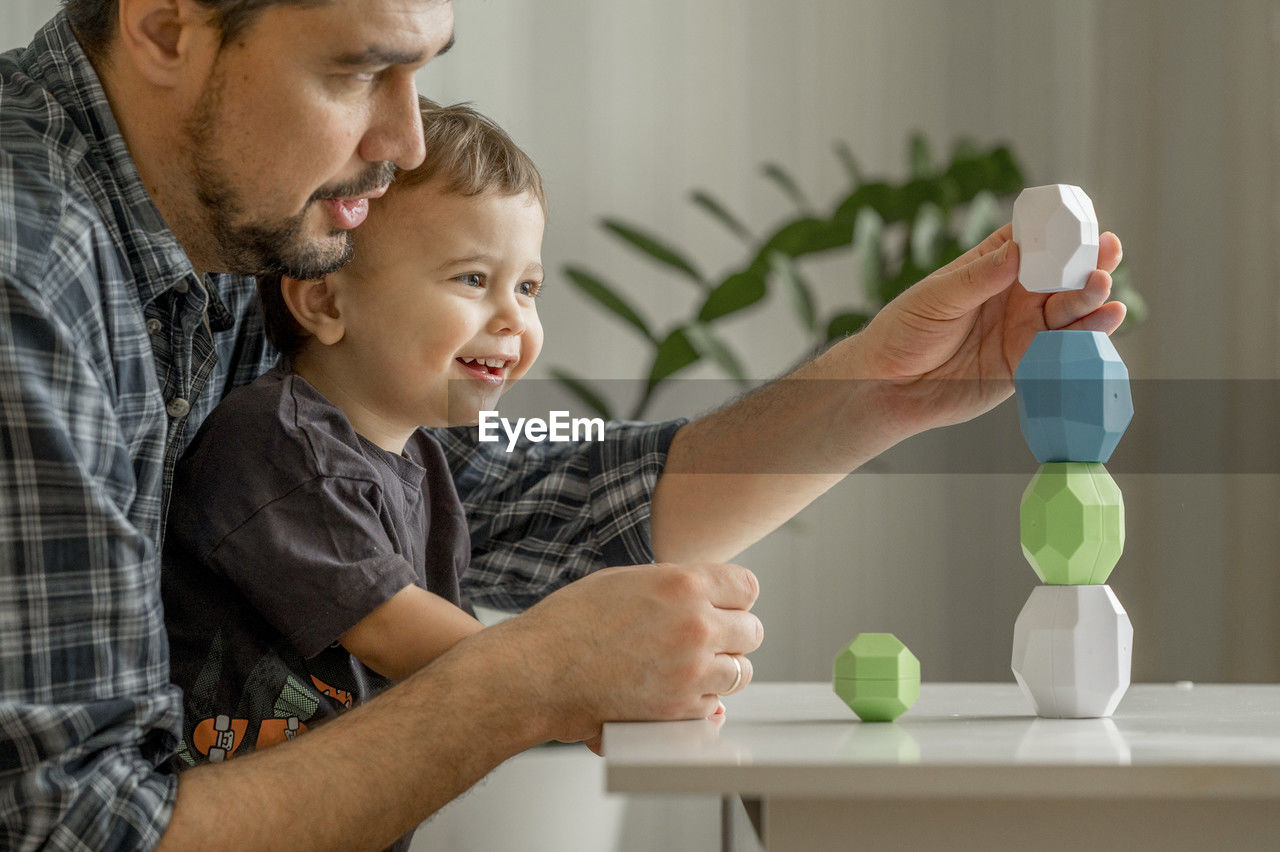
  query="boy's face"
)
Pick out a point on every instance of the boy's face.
point(440, 283)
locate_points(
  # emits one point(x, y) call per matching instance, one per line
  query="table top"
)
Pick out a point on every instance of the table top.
point(961, 740)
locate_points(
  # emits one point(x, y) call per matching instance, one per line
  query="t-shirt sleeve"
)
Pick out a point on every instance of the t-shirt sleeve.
point(315, 561)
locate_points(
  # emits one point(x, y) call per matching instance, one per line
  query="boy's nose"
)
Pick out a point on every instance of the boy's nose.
point(508, 318)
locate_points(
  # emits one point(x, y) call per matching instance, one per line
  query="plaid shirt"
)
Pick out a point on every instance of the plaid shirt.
point(112, 351)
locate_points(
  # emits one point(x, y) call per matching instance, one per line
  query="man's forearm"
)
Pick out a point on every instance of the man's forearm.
point(737, 474)
point(365, 778)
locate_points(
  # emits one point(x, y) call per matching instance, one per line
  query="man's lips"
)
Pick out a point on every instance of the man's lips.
point(348, 213)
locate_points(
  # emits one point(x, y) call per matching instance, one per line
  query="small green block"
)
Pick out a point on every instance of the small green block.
point(877, 676)
point(1072, 523)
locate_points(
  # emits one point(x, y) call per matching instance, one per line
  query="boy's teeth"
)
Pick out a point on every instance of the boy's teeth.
point(484, 362)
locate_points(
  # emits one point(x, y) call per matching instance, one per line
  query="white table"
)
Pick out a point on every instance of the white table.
point(971, 767)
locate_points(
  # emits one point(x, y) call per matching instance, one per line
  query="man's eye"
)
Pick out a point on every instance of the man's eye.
point(471, 279)
point(357, 79)
point(529, 288)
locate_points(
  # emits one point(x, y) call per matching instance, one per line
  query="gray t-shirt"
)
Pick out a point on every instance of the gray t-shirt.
point(286, 528)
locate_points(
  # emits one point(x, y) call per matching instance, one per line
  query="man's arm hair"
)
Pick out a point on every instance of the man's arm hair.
point(369, 776)
point(737, 474)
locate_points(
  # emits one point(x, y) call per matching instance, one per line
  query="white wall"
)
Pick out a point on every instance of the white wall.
point(1165, 111)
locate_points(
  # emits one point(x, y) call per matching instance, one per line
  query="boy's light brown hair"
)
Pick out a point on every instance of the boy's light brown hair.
point(467, 154)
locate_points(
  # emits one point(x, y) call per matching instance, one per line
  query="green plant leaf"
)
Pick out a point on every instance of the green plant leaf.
point(656, 249)
point(879, 196)
point(806, 236)
point(849, 162)
point(842, 325)
point(738, 291)
point(604, 295)
point(674, 354)
point(798, 292)
point(995, 171)
point(907, 274)
point(721, 214)
point(1122, 290)
point(920, 157)
point(964, 148)
point(868, 245)
point(982, 218)
point(926, 233)
point(583, 391)
point(788, 185)
point(709, 346)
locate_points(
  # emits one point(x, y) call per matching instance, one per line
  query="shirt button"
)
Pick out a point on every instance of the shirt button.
point(178, 407)
point(181, 286)
point(154, 326)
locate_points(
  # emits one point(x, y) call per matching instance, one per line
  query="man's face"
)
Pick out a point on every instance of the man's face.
point(303, 119)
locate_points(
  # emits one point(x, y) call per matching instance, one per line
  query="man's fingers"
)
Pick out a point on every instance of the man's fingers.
point(731, 678)
point(990, 244)
point(955, 291)
point(1110, 252)
point(736, 631)
point(731, 586)
point(1062, 309)
point(1105, 319)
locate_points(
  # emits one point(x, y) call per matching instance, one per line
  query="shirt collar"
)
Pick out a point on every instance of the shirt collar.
point(59, 64)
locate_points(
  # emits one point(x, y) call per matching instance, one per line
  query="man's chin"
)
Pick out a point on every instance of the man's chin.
point(319, 257)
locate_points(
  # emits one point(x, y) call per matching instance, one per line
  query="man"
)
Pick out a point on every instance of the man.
point(190, 142)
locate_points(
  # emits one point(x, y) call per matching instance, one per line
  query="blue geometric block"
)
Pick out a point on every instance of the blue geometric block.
point(1074, 401)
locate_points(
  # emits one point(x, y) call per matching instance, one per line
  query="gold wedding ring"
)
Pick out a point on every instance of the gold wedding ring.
point(737, 680)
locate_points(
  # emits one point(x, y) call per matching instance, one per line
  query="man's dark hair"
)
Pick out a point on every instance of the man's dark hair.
point(94, 21)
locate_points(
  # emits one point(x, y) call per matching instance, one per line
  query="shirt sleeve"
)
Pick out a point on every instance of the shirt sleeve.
point(314, 561)
point(86, 711)
point(546, 514)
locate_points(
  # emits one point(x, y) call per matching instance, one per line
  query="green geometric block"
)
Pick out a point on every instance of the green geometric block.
point(1072, 519)
point(877, 676)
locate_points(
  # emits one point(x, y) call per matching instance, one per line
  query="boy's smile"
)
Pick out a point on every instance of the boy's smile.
point(489, 370)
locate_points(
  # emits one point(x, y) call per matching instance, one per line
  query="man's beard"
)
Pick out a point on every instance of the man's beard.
point(246, 246)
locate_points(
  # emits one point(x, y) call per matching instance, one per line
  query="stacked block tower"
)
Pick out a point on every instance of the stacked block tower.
point(1073, 641)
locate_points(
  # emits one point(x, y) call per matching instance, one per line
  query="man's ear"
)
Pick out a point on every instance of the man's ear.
point(162, 37)
point(314, 306)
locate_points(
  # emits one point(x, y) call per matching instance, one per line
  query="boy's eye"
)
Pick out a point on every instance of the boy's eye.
point(529, 288)
point(471, 279)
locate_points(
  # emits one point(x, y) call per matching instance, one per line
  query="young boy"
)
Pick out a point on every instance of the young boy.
point(315, 539)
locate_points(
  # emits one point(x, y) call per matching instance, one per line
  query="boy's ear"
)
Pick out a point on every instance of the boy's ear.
point(313, 305)
point(166, 39)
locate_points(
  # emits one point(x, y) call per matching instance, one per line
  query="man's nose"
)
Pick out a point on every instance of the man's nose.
point(395, 133)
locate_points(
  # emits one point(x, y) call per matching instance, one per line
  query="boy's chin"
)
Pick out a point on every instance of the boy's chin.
point(469, 415)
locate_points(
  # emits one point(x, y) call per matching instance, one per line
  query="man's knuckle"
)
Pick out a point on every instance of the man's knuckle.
point(695, 632)
point(680, 584)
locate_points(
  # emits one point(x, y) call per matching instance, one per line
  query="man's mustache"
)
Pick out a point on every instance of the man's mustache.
point(376, 176)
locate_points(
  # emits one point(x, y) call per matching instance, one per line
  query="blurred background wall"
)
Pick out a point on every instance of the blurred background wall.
point(1167, 112)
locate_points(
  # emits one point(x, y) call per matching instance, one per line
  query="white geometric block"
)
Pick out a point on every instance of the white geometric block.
point(1057, 235)
point(1072, 649)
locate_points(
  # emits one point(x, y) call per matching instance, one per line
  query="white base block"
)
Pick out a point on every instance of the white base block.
point(1072, 648)
point(1056, 230)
